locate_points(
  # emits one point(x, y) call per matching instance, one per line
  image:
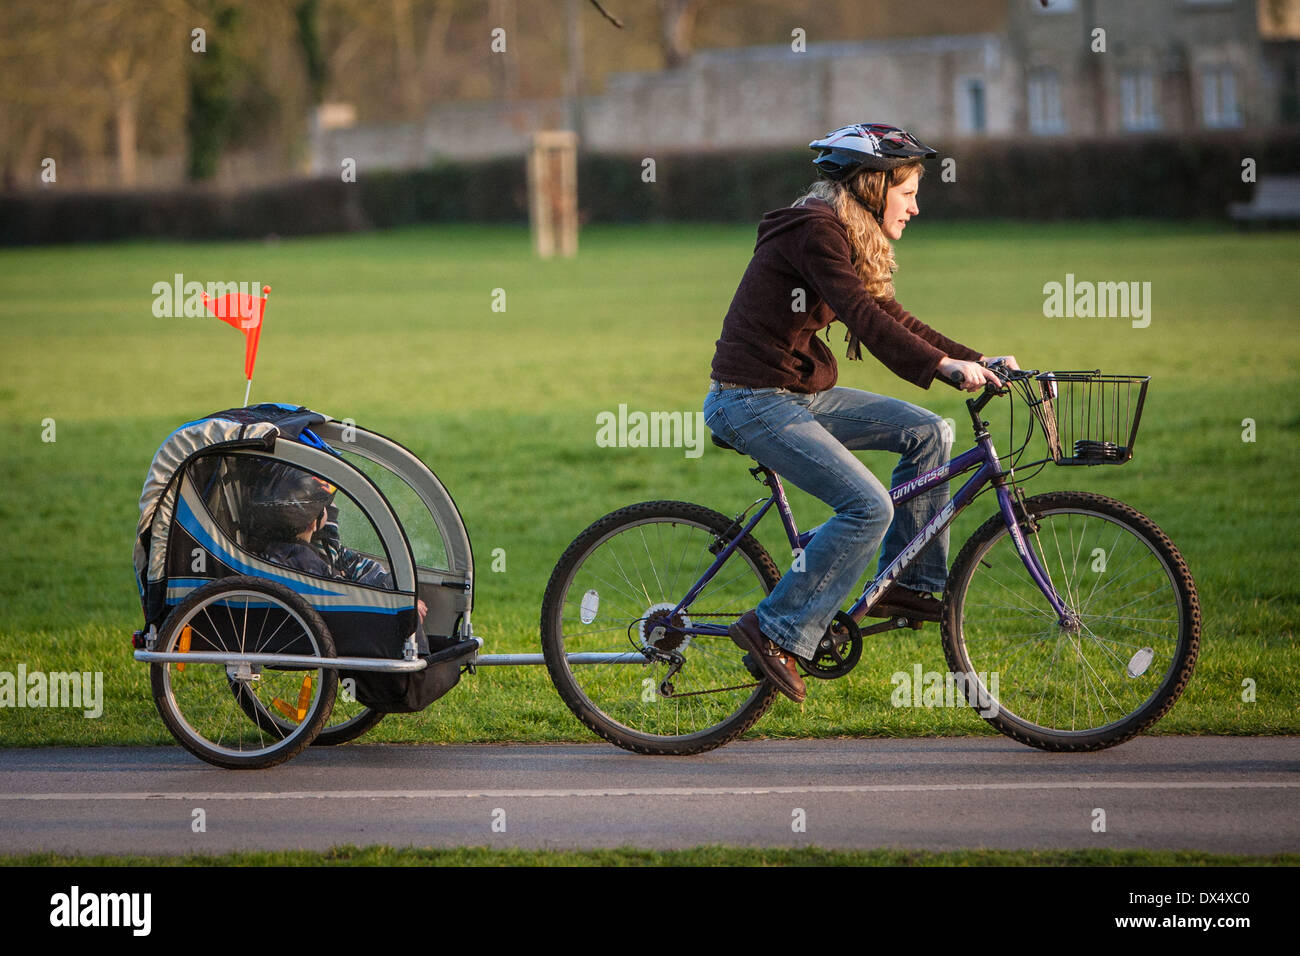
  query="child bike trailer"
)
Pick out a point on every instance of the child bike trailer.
point(300, 577)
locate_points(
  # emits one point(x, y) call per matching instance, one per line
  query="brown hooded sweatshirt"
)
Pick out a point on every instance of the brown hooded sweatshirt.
point(766, 342)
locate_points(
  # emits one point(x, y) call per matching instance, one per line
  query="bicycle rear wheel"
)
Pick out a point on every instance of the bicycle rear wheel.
point(612, 591)
point(1090, 685)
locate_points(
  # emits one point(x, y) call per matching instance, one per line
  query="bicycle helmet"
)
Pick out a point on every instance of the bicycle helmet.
point(878, 146)
point(286, 501)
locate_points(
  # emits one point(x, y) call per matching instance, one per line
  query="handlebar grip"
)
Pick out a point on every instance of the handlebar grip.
point(955, 378)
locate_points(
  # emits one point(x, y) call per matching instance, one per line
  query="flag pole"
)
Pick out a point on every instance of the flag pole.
point(261, 317)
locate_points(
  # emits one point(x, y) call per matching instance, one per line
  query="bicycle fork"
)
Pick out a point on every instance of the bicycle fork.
point(1029, 556)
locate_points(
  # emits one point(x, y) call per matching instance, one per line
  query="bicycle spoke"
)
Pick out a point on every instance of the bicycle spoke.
point(1097, 582)
point(658, 583)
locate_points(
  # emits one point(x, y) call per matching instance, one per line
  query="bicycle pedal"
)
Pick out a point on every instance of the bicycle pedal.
point(752, 666)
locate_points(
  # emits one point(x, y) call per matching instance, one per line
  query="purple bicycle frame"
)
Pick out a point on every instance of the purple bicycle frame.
point(982, 456)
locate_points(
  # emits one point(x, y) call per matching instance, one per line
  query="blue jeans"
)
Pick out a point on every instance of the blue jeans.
point(808, 439)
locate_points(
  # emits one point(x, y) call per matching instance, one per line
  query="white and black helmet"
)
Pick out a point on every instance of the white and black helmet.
point(285, 501)
point(842, 152)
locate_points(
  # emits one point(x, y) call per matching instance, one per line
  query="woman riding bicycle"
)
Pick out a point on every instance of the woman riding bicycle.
point(773, 396)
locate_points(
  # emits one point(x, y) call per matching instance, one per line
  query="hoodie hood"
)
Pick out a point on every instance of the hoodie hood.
point(780, 221)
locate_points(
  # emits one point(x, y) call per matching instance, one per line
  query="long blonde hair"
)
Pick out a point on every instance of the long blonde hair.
point(853, 199)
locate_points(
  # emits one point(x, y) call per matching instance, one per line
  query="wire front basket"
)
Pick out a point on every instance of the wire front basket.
point(1090, 418)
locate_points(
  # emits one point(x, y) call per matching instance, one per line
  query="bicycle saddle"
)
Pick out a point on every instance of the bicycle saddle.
point(722, 444)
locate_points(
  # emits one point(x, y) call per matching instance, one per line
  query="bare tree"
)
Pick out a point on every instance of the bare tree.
point(81, 64)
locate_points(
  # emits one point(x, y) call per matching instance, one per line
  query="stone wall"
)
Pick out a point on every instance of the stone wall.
point(759, 97)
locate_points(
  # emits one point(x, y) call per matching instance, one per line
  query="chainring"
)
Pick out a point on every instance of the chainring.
point(839, 650)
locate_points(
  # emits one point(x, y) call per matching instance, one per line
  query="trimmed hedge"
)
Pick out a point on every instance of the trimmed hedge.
point(1146, 177)
point(1160, 177)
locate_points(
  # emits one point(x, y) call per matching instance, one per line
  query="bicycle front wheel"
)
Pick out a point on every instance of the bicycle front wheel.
point(1113, 671)
point(656, 690)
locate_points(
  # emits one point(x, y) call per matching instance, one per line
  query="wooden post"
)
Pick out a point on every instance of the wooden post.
point(553, 192)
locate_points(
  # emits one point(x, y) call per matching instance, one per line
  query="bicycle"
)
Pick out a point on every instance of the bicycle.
point(1071, 618)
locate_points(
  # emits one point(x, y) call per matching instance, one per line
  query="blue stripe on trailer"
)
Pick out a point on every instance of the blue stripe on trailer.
point(171, 601)
point(352, 608)
point(188, 520)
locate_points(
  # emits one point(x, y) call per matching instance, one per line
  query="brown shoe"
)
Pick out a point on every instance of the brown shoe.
point(899, 601)
point(777, 663)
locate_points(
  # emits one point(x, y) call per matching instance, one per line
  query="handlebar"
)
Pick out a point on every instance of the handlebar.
point(999, 369)
point(1004, 375)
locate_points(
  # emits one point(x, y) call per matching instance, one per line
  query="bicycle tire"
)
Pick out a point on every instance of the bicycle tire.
point(195, 699)
point(716, 699)
point(1121, 672)
point(349, 728)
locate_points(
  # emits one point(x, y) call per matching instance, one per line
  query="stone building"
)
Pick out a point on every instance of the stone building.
point(1099, 67)
point(1074, 68)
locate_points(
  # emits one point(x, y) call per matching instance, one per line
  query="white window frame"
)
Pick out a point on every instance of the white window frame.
point(1220, 106)
point(1138, 106)
point(1046, 112)
point(966, 118)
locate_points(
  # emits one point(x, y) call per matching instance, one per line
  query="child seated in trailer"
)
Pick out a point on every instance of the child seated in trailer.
point(296, 519)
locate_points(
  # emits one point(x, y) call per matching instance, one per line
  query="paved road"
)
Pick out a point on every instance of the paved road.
point(1220, 794)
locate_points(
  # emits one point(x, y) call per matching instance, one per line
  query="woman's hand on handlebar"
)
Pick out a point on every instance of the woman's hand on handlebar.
point(1008, 362)
point(967, 376)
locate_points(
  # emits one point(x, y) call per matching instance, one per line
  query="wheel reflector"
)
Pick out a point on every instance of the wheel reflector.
point(1140, 661)
point(183, 646)
point(304, 698)
point(590, 605)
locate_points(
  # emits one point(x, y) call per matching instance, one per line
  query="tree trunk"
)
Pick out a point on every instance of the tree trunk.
point(123, 92)
point(678, 23)
point(124, 129)
point(404, 45)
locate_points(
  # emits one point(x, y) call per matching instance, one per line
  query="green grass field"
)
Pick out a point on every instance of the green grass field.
point(398, 332)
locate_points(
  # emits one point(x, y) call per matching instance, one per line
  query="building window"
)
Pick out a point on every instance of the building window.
point(1137, 93)
point(1044, 95)
point(1219, 105)
point(972, 114)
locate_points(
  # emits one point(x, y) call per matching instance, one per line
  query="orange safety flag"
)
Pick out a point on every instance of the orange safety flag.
point(244, 312)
